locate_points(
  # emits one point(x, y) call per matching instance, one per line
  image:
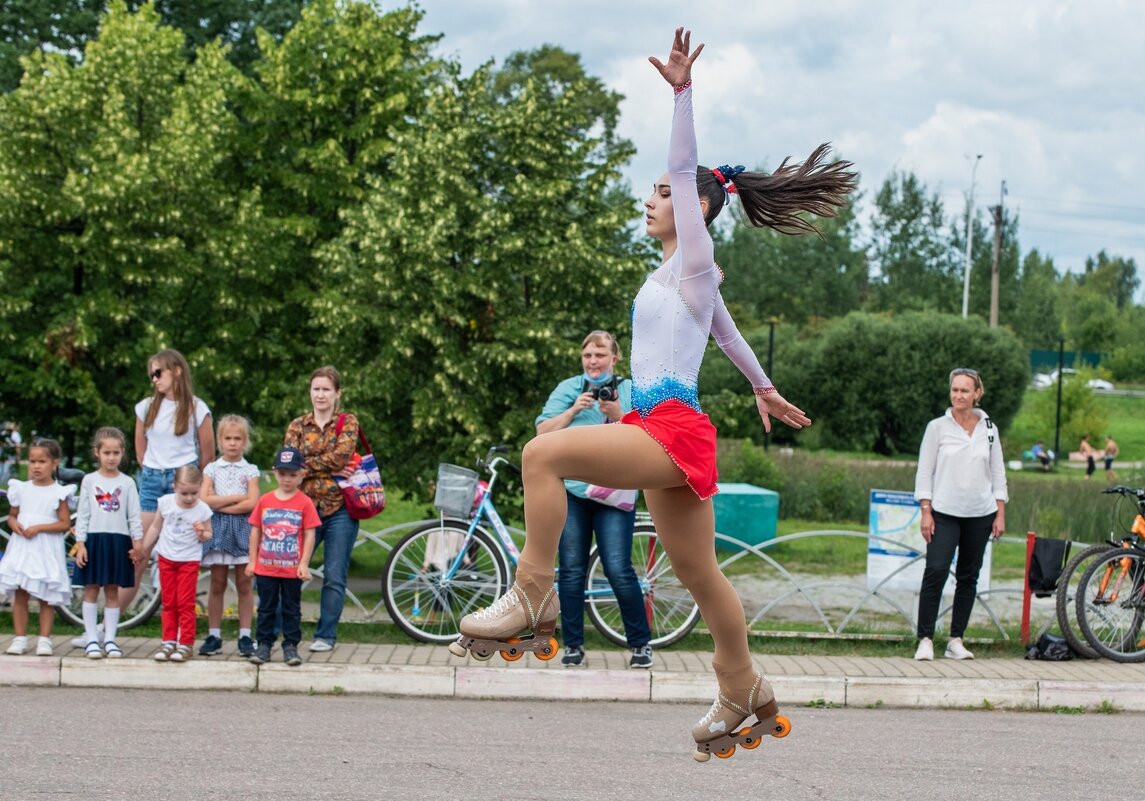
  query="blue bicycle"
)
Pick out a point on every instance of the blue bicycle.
point(444, 570)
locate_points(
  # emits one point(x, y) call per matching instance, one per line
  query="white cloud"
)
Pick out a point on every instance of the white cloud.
point(1049, 92)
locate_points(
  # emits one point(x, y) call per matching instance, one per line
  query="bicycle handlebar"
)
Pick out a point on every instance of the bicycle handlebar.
point(1122, 490)
point(491, 462)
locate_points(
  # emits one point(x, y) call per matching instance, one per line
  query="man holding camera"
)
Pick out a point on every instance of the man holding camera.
point(596, 396)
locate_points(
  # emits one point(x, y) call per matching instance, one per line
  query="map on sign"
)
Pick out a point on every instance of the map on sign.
point(896, 540)
point(895, 519)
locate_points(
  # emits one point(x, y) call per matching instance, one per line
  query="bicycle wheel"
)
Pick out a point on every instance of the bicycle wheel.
point(421, 600)
point(1067, 593)
point(671, 611)
point(1111, 605)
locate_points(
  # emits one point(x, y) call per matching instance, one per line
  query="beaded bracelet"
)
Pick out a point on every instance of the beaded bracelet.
point(681, 86)
point(764, 390)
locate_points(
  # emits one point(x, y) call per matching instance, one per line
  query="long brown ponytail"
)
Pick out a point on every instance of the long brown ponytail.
point(777, 200)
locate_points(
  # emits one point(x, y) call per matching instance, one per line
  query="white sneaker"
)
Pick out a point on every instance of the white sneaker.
point(321, 645)
point(44, 647)
point(925, 652)
point(18, 647)
point(956, 650)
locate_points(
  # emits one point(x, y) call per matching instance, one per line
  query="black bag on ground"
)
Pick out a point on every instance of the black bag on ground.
point(1049, 559)
point(1050, 648)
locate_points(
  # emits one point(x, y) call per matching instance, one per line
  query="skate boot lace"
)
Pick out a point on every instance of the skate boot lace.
point(498, 607)
point(712, 713)
point(722, 701)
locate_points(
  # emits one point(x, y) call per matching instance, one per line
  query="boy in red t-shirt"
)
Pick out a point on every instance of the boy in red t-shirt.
point(281, 543)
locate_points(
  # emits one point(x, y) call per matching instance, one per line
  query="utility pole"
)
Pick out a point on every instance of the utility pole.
point(997, 257)
point(969, 239)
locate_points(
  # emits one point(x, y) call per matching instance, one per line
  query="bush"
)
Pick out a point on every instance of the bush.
point(872, 382)
point(744, 462)
point(1126, 363)
point(1080, 413)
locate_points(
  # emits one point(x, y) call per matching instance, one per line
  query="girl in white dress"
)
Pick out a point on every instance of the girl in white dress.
point(34, 565)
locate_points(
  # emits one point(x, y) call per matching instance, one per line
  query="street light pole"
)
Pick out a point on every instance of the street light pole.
point(969, 239)
point(1058, 417)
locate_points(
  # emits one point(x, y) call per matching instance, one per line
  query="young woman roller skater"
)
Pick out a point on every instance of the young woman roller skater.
point(666, 446)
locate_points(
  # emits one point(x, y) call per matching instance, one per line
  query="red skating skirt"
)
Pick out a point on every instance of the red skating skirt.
point(688, 437)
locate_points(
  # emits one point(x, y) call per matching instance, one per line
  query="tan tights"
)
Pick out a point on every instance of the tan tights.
point(624, 456)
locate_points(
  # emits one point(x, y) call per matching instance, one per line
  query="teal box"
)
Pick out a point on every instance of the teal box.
point(746, 512)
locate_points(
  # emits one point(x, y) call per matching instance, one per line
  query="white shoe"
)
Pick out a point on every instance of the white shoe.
point(44, 647)
point(321, 645)
point(925, 652)
point(18, 647)
point(956, 650)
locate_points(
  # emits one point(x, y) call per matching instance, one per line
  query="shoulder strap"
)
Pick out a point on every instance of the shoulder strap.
point(361, 434)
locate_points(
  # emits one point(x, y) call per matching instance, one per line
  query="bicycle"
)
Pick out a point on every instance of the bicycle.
point(1067, 591)
point(1111, 597)
point(444, 570)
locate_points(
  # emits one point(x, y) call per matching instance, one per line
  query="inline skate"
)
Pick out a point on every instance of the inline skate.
point(513, 626)
point(719, 731)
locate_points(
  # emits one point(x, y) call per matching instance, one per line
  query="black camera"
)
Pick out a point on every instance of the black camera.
point(604, 392)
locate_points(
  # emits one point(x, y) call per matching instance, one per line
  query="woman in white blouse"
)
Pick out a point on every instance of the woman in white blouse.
point(961, 487)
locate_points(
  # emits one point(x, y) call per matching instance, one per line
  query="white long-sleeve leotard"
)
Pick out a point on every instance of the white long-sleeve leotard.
point(680, 304)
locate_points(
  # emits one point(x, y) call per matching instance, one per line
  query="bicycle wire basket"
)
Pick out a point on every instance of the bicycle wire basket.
point(456, 489)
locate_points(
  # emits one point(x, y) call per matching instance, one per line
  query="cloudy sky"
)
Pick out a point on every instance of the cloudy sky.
point(1050, 92)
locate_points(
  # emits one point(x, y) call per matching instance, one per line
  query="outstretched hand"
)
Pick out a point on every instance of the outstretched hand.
point(775, 405)
point(678, 70)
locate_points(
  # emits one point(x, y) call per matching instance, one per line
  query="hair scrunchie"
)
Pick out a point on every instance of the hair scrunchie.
point(726, 175)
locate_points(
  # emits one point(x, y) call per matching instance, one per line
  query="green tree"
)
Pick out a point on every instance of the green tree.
point(122, 232)
point(916, 265)
point(1037, 316)
point(872, 382)
point(324, 116)
point(1112, 277)
point(1080, 413)
point(50, 26)
point(466, 280)
point(66, 26)
point(794, 278)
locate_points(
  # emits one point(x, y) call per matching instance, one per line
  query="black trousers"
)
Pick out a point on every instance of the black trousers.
point(967, 535)
point(274, 591)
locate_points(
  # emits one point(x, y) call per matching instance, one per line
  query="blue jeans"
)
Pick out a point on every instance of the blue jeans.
point(338, 531)
point(154, 483)
point(614, 542)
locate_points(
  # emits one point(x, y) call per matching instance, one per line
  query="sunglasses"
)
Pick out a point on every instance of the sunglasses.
point(156, 373)
point(966, 371)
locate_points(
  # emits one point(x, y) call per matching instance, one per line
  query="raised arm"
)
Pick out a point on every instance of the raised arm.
point(692, 237)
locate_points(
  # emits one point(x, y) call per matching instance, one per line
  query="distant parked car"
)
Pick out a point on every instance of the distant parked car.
point(1045, 380)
